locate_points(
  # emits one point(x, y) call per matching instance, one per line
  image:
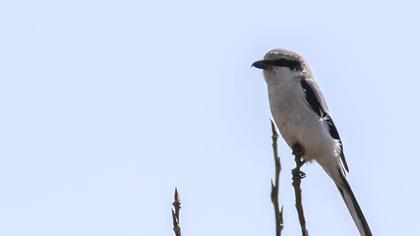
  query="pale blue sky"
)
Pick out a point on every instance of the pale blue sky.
point(106, 106)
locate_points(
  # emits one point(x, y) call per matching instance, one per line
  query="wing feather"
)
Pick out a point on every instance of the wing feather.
point(317, 102)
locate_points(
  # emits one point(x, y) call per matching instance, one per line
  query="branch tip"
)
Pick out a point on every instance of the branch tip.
point(175, 213)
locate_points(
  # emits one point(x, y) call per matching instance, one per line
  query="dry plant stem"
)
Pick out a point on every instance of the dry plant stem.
point(275, 186)
point(297, 177)
point(175, 213)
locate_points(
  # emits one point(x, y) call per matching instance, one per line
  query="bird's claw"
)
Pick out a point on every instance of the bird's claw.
point(298, 174)
point(298, 152)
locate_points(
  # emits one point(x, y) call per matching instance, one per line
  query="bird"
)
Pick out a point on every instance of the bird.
point(301, 115)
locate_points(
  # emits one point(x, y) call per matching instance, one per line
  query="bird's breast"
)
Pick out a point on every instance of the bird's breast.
point(297, 123)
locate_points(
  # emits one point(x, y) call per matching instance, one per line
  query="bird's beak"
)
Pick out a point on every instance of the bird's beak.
point(260, 64)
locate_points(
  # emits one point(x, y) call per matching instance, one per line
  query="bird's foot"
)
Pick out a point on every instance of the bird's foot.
point(298, 152)
point(298, 174)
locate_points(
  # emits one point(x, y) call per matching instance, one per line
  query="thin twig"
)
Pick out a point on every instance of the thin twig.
point(278, 213)
point(297, 176)
point(175, 213)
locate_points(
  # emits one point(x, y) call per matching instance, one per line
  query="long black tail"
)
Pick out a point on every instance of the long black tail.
point(353, 207)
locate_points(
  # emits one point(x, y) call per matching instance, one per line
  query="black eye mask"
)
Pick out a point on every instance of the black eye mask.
point(292, 64)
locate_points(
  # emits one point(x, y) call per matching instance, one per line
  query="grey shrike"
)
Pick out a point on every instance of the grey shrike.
point(301, 114)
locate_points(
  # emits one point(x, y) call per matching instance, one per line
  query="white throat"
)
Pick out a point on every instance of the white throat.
point(279, 74)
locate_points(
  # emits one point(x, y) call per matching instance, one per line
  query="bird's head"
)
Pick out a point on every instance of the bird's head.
point(281, 61)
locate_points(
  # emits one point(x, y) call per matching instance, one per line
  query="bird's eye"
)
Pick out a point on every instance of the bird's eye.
point(282, 62)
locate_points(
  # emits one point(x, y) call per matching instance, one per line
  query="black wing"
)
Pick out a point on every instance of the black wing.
point(312, 98)
point(318, 105)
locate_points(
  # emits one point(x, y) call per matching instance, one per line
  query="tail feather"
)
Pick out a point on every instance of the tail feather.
point(353, 207)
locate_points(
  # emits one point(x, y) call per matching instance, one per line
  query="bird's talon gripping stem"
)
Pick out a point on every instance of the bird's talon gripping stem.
point(298, 152)
point(298, 174)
